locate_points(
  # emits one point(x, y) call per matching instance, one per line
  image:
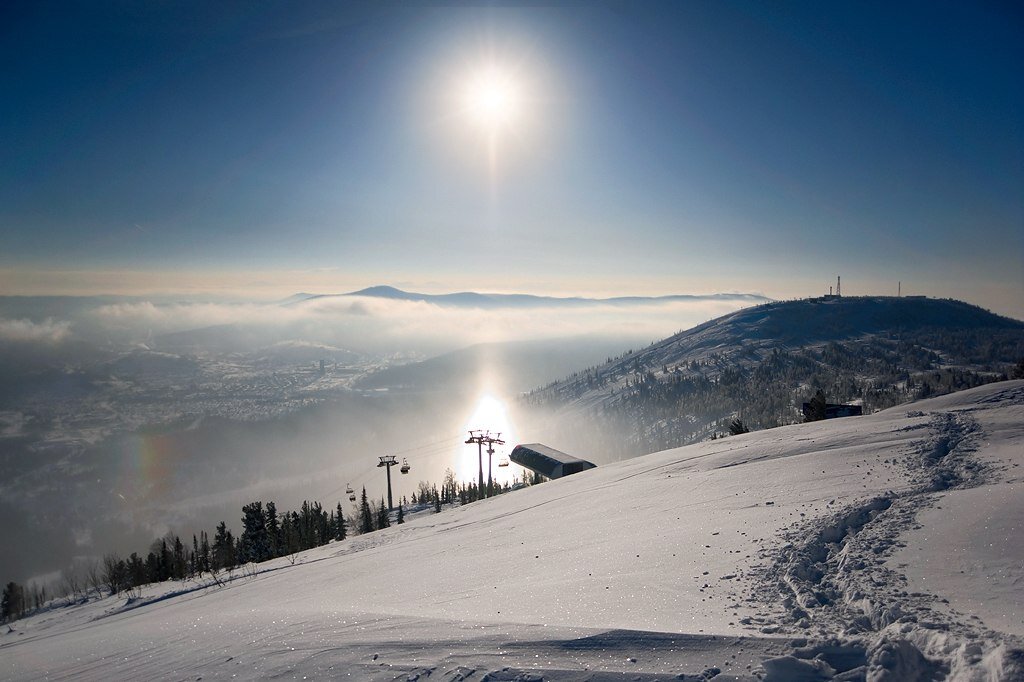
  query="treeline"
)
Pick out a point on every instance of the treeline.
point(453, 491)
point(266, 534)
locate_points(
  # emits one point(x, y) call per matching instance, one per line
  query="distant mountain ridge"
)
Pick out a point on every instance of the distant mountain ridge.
point(759, 363)
point(472, 299)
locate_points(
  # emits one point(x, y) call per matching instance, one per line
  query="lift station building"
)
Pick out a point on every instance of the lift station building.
point(548, 462)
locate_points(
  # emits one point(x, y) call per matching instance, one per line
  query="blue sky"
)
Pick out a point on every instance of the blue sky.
point(681, 147)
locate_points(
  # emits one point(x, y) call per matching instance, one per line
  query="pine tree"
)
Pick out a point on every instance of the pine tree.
point(178, 562)
point(223, 547)
point(205, 558)
point(137, 574)
point(166, 561)
point(289, 535)
point(401, 515)
point(365, 516)
point(12, 605)
point(273, 531)
point(254, 539)
point(817, 408)
point(383, 520)
point(339, 524)
point(324, 534)
point(736, 427)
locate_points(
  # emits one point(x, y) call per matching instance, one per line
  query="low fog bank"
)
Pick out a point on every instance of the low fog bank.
point(122, 419)
point(363, 324)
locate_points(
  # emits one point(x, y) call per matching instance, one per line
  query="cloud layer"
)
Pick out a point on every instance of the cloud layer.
point(370, 324)
point(27, 331)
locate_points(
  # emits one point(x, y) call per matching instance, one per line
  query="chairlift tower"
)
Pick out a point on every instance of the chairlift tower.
point(480, 437)
point(477, 436)
point(388, 461)
point(491, 441)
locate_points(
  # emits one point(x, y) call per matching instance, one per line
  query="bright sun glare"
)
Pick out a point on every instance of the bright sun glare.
point(489, 415)
point(492, 99)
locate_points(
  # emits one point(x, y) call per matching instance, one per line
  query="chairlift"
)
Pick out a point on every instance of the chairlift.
point(348, 490)
point(503, 462)
point(352, 497)
point(405, 466)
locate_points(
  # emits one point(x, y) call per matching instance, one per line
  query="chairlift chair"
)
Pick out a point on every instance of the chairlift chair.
point(348, 490)
point(503, 462)
point(405, 466)
point(352, 497)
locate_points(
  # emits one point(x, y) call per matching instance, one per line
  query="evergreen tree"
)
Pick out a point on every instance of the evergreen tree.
point(166, 561)
point(254, 540)
point(383, 520)
point(205, 558)
point(223, 547)
point(152, 568)
point(817, 408)
point(12, 605)
point(273, 531)
point(178, 560)
point(289, 535)
point(322, 523)
point(137, 572)
point(339, 524)
point(401, 515)
point(365, 516)
point(736, 427)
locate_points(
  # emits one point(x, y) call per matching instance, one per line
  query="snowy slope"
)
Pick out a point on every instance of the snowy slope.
point(817, 551)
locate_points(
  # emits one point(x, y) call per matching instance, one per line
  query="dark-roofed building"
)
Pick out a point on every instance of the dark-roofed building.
point(548, 462)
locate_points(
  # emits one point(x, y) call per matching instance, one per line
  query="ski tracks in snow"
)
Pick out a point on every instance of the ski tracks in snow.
point(829, 576)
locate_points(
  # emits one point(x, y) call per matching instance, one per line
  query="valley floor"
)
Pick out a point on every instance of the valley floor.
point(883, 547)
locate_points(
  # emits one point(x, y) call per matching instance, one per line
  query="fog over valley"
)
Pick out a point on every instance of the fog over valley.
point(124, 418)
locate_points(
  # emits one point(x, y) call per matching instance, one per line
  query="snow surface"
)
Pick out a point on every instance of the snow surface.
point(883, 547)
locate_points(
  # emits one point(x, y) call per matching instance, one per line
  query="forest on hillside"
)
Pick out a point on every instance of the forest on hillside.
point(628, 407)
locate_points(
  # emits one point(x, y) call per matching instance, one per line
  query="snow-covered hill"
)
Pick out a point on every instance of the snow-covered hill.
point(882, 547)
point(761, 363)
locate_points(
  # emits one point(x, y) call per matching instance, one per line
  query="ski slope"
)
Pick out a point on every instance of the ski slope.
point(884, 547)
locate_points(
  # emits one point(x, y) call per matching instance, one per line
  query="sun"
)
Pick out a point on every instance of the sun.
point(492, 98)
point(489, 415)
